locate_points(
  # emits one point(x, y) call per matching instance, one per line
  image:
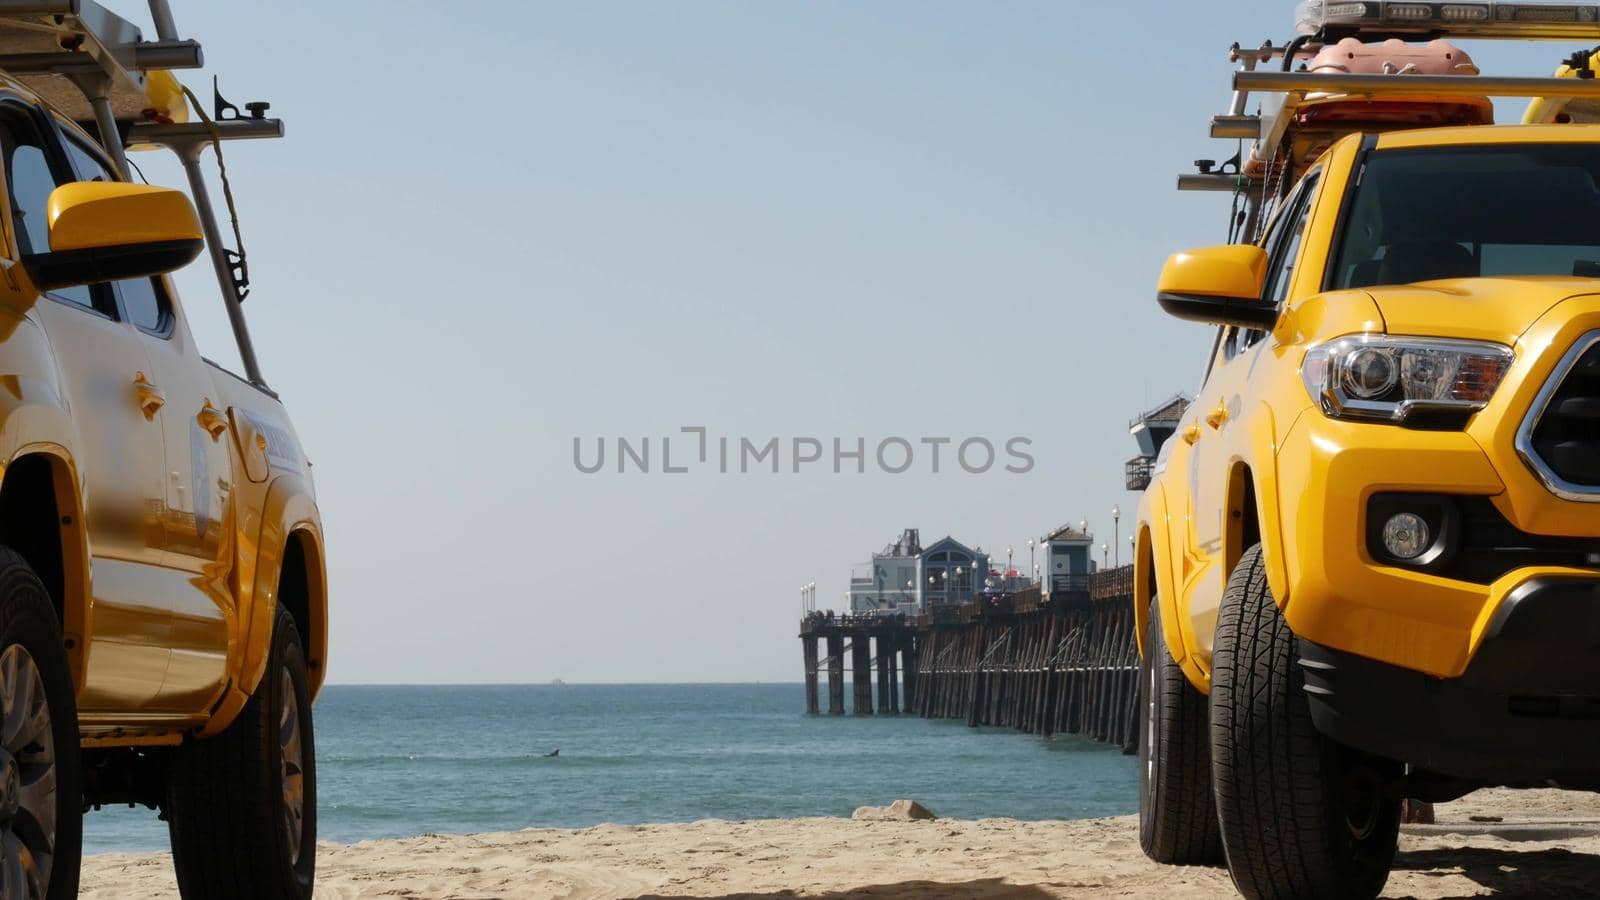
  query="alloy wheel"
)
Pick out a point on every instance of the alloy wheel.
point(292, 775)
point(27, 779)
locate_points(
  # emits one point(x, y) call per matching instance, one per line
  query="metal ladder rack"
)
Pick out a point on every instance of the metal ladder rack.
point(93, 65)
point(1266, 75)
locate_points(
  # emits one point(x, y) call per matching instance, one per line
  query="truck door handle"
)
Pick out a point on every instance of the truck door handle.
point(213, 420)
point(149, 396)
point(1217, 416)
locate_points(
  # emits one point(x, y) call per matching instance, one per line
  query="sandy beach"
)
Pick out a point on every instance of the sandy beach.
point(1547, 844)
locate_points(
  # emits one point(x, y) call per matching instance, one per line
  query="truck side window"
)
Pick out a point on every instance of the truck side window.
point(1236, 340)
point(1284, 246)
point(28, 174)
point(29, 181)
point(144, 300)
point(1280, 272)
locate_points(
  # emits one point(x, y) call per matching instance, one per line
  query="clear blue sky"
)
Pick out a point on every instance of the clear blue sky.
point(493, 231)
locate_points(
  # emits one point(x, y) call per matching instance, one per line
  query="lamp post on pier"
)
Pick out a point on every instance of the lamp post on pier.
point(1116, 531)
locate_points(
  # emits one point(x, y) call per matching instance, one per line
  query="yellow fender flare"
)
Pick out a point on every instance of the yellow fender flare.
point(1263, 467)
point(77, 608)
point(288, 514)
point(1261, 463)
point(1147, 561)
point(50, 432)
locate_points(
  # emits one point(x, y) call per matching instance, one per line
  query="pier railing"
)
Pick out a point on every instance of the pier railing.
point(853, 621)
point(1112, 584)
point(1014, 660)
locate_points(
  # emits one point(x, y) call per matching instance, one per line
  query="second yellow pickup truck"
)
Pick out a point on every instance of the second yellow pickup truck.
point(163, 600)
point(1368, 565)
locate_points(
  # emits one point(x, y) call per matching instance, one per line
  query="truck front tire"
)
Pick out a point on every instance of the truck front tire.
point(242, 806)
point(1177, 815)
point(1301, 816)
point(41, 781)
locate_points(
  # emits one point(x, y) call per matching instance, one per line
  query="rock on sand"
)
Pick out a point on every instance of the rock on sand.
point(898, 811)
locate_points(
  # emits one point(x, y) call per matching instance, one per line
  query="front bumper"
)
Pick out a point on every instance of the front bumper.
point(1525, 711)
point(1338, 596)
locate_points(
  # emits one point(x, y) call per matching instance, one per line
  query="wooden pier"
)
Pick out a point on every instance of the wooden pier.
point(1068, 664)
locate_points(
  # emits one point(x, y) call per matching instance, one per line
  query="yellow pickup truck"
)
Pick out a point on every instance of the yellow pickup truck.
point(163, 626)
point(1368, 564)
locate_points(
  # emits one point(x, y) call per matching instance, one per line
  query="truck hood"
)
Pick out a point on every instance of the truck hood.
point(1485, 309)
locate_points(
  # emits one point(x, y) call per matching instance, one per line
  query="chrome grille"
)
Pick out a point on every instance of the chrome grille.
point(1560, 439)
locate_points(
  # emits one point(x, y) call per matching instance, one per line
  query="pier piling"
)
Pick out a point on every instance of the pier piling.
point(892, 648)
point(861, 674)
point(908, 665)
point(808, 644)
point(835, 674)
point(885, 660)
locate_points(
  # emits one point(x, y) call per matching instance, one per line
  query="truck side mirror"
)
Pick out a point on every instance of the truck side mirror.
point(106, 231)
point(1219, 286)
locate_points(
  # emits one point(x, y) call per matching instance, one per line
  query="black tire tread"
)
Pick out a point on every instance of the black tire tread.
point(28, 616)
point(224, 828)
point(1274, 773)
point(1180, 827)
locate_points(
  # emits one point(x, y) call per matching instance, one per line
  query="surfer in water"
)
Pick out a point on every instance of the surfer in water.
point(555, 752)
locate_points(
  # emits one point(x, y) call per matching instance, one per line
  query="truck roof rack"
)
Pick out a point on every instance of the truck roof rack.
point(1285, 92)
point(95, 66)
point(1287, 99)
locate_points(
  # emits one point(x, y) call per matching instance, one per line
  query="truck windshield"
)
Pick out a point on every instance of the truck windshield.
point(1468, 212)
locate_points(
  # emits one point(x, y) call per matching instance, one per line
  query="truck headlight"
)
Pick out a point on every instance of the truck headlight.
point(1404, 379)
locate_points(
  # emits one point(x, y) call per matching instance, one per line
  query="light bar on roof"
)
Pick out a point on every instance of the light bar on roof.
point(1509, 21)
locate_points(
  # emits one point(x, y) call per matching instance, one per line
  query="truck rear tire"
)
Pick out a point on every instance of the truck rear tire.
point(1177, 813)
point(1301, 816)
point(242, 806)
point(41, 780)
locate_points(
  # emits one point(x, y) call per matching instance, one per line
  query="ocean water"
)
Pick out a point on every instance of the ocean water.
point(400, 761)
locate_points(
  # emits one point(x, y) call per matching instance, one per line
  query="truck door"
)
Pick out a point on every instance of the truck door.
point(1221, 442)
point(197, 528)
point(117, 408)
